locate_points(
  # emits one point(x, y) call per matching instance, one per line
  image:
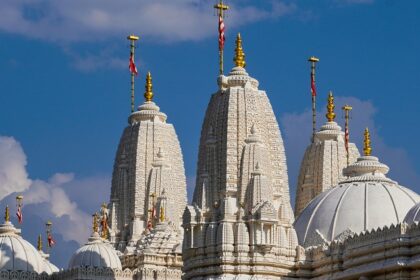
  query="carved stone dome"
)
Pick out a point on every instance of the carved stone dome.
point(17, 254)
point(366, 200)
point(96, 253)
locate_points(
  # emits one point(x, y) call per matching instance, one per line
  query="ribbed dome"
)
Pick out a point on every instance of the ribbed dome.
point(50, 268)
point(96, 253)
point(17, 254)
point(413, 216)
point(367, 199)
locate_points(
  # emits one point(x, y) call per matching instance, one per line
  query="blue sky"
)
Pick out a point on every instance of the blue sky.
point(64, 86)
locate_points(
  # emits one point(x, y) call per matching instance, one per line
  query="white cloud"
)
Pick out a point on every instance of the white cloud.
point(55, 199)
point(297, 129)
point(13, 175)
point(80, 20)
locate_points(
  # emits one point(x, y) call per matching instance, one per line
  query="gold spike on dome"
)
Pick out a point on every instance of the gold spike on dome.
point(95, 226)
point(367, 149)
point(330, 108)
point(162, 214)
point(7, 214)
point(148, 94)
point(39, 245)
point(239, 53)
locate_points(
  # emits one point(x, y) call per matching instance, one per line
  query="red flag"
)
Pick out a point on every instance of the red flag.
point(346, 139)
point(19, 214)
point(313, 89)
point(221, 34)
point(51, 241)
point(131, 66)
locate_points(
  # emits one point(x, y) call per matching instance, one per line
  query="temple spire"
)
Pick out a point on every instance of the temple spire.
point(330, 108)
point(39, 245)
point(239, 53)
point(148, 94)
point(367, 149)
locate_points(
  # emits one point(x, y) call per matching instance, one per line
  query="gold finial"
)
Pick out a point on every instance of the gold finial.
point(367, 149)
point(95, 226)
point(39, 246)
point(148, 94)
point(239, 53)
point(7, 215)
point(162, 214)
point(330, 108)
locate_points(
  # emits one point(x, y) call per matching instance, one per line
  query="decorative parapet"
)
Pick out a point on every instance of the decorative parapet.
point(92, 273)
point(387, 250)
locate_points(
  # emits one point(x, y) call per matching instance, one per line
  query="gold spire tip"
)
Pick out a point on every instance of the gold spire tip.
point(132, 37)
point(313, 59)
point(347, 108)
point(330, 108)
point(220, 7)
point(39, 245)
point(7, 214)
point(239, 53)
point(367, 149)
point(162, 214)
point(148, 94)
point(95, 227)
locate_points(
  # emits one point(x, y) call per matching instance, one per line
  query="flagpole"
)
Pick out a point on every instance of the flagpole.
point(221, 8)
point(48, 226)
point(132, 39)
point(313, 60)
point(347, 109)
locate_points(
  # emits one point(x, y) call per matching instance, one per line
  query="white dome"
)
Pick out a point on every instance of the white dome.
point(413, 216)
point(366, 200)
point(96, 253)
point(17, 254)
point(50, 268)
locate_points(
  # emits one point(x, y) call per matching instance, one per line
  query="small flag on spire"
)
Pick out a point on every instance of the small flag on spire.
point(19, 214)
point(347, 139)
point(313, 89)
point(222, 37)
point(51, 241)
point(132, 66)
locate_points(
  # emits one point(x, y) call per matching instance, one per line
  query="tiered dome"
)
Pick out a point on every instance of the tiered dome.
point(17, 254)
point(366, 200)
point(96, 253)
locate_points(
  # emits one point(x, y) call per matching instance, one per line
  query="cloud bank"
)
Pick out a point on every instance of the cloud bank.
point(175, 20)
point(66, 201)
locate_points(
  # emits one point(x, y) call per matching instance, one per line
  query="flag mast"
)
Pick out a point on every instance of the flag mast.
point(347, 109)
point(221, 8)
point(132, 38)
point(313, 60)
